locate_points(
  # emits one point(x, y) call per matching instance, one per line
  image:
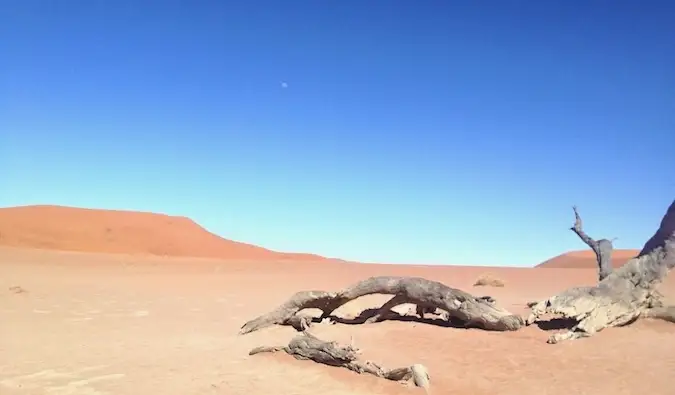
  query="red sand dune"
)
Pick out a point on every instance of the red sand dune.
point(586, 259)
point(128, 232)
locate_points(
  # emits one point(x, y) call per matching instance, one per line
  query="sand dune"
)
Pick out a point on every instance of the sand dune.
point(161, 315)
point(585, 259)
point(128, 232)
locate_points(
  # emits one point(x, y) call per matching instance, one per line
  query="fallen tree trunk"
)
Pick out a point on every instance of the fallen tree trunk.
point(602, 248)
point(309, 347)
point(479, 312)
point(623, 296)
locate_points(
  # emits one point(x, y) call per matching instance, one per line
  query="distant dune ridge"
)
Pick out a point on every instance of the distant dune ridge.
point(130, 232)
point(586, 259)
point(127, 232)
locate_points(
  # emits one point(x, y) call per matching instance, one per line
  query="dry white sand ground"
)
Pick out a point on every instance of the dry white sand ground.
point(95, 324)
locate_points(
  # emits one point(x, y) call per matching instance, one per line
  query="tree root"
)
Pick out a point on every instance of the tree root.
point(623, 296)
point(479, 312)
point(308, 347)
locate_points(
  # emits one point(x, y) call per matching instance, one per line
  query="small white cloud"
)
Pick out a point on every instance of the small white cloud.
point(284, 84)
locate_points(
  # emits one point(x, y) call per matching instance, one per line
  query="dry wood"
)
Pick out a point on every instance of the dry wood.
point(602, 248)
point(623, 296)
point(479, 312)
point(665, 313)
point(308, 347)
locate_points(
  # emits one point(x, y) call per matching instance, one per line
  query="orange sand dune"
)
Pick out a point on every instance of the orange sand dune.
point(586, 259)
point(128, 232)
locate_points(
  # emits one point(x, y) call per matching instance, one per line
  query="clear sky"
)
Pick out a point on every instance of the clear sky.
point(391, 131)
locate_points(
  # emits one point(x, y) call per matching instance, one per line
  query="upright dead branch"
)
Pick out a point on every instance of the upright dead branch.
point(480, 312)
point(602, 248)
point(309, 347)
point(622, 296)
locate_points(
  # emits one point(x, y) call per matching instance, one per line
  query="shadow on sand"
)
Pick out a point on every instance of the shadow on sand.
point(555, 324)
point(394, 316)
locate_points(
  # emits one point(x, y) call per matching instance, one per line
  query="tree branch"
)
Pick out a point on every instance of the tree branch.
point(309, 347)
point(602, 248)
point(663, 233)
point(623, 296)
point(473, 311)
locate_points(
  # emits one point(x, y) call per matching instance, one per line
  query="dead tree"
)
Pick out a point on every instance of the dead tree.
point(308, 347)
point(623, 296)
point(472, 311)
point(602, 248)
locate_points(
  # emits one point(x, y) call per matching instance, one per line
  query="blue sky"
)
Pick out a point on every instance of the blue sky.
point(389, 131)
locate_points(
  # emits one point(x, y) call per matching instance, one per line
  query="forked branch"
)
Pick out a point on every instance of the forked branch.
point(623, 296)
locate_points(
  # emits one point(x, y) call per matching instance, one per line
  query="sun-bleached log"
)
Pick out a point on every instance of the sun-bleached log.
point(479, 312)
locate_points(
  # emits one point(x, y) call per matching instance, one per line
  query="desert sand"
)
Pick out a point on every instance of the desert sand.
point(87, 312)
point(586, 259)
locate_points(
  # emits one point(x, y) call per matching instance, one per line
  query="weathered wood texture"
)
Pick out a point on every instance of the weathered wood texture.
point(623, 296)
point(478, 312)
point(602, 248)
point(308, 347)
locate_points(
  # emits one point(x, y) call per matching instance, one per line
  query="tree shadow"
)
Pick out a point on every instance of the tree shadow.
point(394, 316)
point(555, 324)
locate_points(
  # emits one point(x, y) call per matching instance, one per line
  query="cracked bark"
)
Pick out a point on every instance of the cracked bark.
point(308, 347)
point(479, 312)
point(622, 296)
point(602, 248)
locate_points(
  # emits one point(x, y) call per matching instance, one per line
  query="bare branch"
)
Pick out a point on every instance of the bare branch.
point(480, 312)
point(627, 294)
point(579, 230)
point(309, 347)
point(663, 233)
point(602, 248)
